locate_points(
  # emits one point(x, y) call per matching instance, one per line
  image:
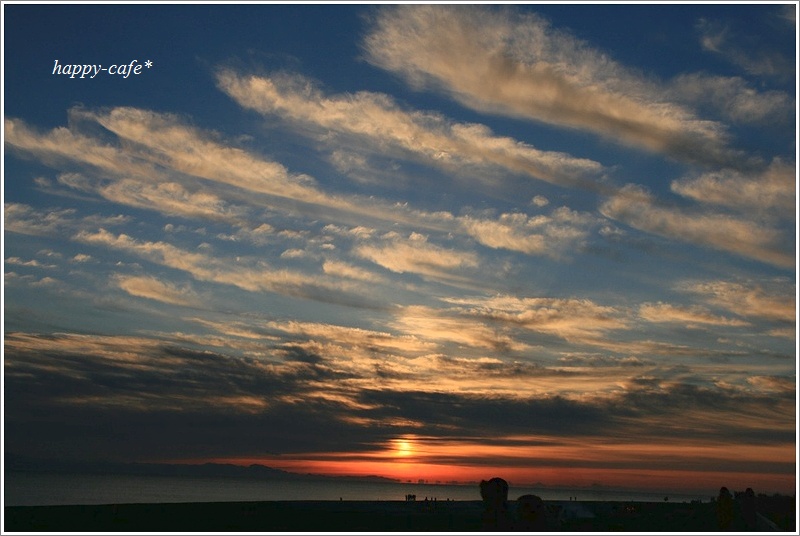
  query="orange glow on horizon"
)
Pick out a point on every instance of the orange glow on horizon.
point(641, 466)
point(578, 477)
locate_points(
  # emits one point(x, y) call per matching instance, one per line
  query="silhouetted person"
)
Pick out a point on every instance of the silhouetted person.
point(724, 509)
point(747, 505)
point(531, 514)
point(494, 493)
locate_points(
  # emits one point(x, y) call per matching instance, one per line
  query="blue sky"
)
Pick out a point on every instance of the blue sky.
point(552, 241)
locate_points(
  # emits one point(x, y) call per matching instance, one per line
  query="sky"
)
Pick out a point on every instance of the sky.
point(550, 243)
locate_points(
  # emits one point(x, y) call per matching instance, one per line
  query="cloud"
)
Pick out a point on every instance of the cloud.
point(563, 231)
point(160, 151)
point(789, 14)
point(167, 197)
point(153, 289)
point(33, 263)
point(414, 254)
point(690, 316)
point(744, 51)
point(376, 119)
point(506, 62)
point(24, 219)
point(148, 388)
point(770, 191)
point(540, 201)
point(68, 145)
point(602, 361)
point(636, 207)
point(343, 269)
point(436, 325)
point(750, 299)
point(734, 98)
point(354, 337)
point(253, 276)
point(166, 157)
point(185, 149)
point(774, 383)
point(86, 395)
point(568, 318)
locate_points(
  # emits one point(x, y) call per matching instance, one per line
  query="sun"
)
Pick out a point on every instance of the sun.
point(403, 448)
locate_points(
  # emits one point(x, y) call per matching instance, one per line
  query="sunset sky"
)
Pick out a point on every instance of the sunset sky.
point(552, 243)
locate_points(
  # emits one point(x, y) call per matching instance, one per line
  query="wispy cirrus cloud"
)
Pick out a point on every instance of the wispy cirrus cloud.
point(32, 263)
point(539, 73)
point(720, 38)
point(752, 299)
point(734, 98)
point(168, 197)
point(562, 232)
point(416, 255)
point(161, 151)
point(256, 276)
point(450, 327)
point(636, 207)
point(166, 157)
point(25, 219)
point(154, 289)
point(771, 191)
point(690, 316)
point(343, 269)
point(568, 318)
point(376, 119)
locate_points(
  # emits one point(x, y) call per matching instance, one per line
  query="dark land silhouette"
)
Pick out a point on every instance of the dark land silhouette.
point(391, 516)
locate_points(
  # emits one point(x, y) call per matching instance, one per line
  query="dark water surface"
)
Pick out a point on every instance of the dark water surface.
point(39, 489)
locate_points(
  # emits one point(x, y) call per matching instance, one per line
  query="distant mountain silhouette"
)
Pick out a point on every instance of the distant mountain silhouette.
point(225, 470)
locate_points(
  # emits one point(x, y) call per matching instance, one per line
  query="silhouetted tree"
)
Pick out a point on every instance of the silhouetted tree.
point(724, 509)
point(494, 493)
point(747, 505)
point(531, 514)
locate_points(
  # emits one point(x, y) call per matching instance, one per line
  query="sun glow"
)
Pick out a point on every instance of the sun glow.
point(403, 448)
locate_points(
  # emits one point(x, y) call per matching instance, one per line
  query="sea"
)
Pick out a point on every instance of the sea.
point(42, 489)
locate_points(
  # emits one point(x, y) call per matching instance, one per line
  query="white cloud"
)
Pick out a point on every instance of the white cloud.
point(165, 152)
point(24, 219)
point(734, 98)
point(63, 144)
point(167, 197)
point(772, 190)
point(540, 201)
point(747, 54)
point(690, 316)
point(431, 324)
point(354, 337)
point(564, 230)
point(343, 269)
point(33, 263)
point(503, 61)
point(568, 318)
point(414, 254)
point(748, 299)
point(376, 119)
point(154, 289)
point(247, 274)
point(636, 207)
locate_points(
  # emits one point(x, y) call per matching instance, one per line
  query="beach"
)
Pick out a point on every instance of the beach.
point(350, 516)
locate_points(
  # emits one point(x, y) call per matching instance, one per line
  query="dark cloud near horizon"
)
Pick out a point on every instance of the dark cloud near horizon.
point(180, 403)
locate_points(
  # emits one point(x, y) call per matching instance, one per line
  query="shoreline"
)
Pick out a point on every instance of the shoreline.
point(350, 516)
